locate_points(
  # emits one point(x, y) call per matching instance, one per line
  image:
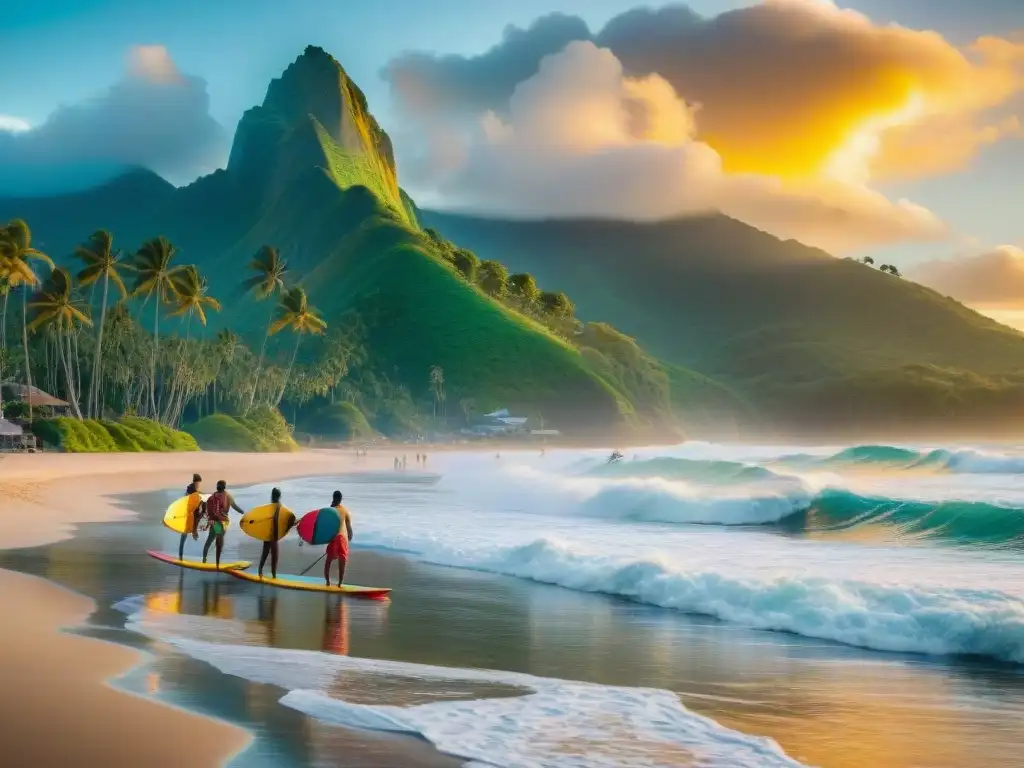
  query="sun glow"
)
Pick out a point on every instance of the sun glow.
point(852, 161)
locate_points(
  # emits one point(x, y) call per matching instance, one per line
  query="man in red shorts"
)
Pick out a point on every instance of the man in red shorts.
point(337, 549)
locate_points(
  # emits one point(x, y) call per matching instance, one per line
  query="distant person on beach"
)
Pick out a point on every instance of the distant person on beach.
point(396, 463)
point(338, 548)
point(404, 461)
point(270, 547)
point(193, 487)
point(217, 507)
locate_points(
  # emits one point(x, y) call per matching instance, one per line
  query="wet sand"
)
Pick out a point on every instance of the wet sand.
point(57, 704)
point(56, 708)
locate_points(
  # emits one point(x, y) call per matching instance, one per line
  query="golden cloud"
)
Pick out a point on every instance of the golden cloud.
point(153, 63)
point(992, 281)
point(794, 89)
point(580, 138)
point(802, 88)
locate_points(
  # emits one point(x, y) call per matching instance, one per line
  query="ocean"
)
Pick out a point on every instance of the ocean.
point(700, 605)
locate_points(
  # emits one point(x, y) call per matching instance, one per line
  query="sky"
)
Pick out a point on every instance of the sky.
point(871, 127)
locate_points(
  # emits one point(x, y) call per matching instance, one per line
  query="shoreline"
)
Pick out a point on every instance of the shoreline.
point(54, 676)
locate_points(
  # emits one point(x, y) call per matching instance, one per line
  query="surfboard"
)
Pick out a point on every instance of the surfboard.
point(315, 584)
point(180, 514)
point(195, 564)
point(259, 521)
point(319, 526)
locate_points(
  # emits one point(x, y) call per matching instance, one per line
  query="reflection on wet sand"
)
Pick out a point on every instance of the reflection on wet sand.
point(261, 618)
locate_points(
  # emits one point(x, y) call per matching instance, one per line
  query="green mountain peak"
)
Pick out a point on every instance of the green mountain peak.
point(314, 115)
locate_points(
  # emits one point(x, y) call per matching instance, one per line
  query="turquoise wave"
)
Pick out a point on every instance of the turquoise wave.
point(890, 457)
point(960, 522)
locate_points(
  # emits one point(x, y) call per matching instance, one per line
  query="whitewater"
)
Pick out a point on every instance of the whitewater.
point(887, 548)
point(901, 549)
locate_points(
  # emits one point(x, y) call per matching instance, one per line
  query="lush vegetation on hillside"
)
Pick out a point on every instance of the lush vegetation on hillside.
point(815, 344)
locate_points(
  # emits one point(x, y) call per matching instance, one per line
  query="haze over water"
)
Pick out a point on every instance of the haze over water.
point(858, 605)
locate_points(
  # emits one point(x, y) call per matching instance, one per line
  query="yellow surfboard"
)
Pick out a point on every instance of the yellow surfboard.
point(180, 515)
point(258, 522)
point(315, 584)
point(198, 565)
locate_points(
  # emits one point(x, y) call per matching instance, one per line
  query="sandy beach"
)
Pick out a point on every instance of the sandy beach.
point(52, 677)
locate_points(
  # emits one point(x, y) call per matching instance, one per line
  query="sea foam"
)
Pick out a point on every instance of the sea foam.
point(758, 500)
point(552, 724)
point(888, 616)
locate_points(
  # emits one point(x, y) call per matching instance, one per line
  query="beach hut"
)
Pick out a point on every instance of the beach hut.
point(36, 397)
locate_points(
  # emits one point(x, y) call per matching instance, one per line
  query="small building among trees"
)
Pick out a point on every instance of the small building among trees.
point(35, 397)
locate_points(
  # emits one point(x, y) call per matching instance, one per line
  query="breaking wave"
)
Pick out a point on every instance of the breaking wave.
point(966, 460)
point(907, 618)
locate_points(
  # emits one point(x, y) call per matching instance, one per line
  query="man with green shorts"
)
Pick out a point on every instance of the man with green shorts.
point(217, 507)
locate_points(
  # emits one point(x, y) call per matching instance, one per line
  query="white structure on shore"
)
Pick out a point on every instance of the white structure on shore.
point(502, 423)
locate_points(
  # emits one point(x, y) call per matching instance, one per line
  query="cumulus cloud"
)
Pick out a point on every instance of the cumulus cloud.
point(581, 138)
point(784, 86)
point(991, 281)
point(13, 124)
point(155, 117)
point(796, 111)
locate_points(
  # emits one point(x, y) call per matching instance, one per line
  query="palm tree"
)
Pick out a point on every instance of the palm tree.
point(59, 307)
point(227, 346)
point(468, 405)
point(101, 261)
point(154, 278)
point(191, 295)
point(5, 288)
point(268, 281)
point(437, 385)
point(16, 270)
point(295, 313)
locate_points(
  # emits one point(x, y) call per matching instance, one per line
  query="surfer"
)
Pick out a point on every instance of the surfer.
point(193, 487)
point(217, 507)
point(270, 547)
point(338, 548)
